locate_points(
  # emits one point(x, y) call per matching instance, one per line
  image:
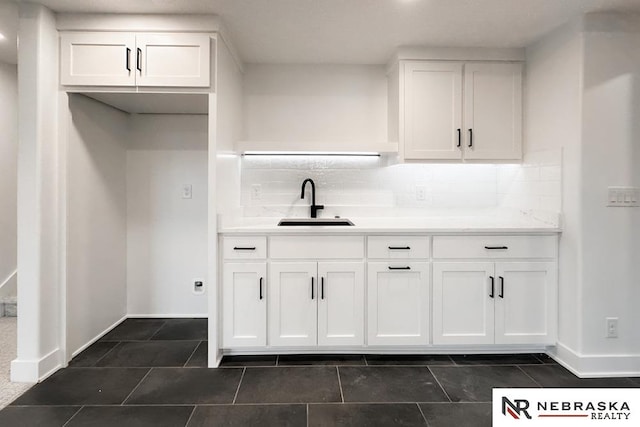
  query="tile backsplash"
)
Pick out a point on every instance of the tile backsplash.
point(366, 186)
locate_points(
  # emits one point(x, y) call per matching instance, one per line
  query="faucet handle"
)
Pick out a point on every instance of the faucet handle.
point(315, 209)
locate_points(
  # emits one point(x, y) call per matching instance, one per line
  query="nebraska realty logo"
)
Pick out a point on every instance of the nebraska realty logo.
point(566, 407)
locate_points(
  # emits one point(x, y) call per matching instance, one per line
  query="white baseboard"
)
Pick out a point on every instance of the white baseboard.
point(97, 337)
point(171, 315)
point(33, 371)
point(596, 365)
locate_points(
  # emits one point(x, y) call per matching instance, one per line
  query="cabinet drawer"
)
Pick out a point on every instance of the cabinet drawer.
point(250, 247)
point(488, 247)
point(316, 247)
point(393, 247)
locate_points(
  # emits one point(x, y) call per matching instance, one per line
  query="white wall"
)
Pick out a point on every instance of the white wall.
point(611, 157)
point(228, 131)
point(8, 175)
point(96, 215)
point(584, 97)
point(322, 103)
point(552, 122)
point(166, 234)
point(39, 262)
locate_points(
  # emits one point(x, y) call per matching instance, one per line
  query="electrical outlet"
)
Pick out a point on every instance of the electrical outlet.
point(187, 191)
point(198, 286)
point(612, 327)
point(421, 193)
point(256, 192)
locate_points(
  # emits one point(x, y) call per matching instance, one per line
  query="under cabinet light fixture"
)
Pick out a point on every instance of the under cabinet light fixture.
point(312, 153)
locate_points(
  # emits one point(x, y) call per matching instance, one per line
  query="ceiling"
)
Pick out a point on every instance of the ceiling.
point(363, 31)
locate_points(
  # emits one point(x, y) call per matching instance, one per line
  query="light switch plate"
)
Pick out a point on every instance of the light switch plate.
point(623, 197)
point(187, 191)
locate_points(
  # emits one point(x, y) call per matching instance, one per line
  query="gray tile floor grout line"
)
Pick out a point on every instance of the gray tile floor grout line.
point(440, 385)
point(191, 416)
point(307, 405)
point(340, 384)
point(95, 364)
point(192, 353)
point(423, 416)
point(235, 396)
point(72, 417)
point(136, 387)
point(164, 322)
point(532, 379)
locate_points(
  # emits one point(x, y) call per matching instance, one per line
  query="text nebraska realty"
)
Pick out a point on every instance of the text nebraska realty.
point(598, 410)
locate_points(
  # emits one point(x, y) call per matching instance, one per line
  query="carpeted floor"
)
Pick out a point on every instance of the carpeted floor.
point(8, 391)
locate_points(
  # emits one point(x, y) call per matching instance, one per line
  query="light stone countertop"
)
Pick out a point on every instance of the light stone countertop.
point(508, 223)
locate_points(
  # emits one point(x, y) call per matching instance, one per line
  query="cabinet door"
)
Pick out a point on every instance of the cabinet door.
point(463, 303)
point(341, 303)
point(398, 303)
point(493, 111)
point(432, 110)
point(244, 307)
point(293, 306)
point(526, 298)
point(173, 60)
point(97, 59)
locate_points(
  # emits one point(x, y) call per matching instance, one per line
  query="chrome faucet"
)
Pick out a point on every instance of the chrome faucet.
point(314, 208)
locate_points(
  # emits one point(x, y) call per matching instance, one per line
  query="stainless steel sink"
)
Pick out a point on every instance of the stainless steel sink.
point(315, 222)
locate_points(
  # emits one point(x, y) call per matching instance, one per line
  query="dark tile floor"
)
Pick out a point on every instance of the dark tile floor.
point(152, 372)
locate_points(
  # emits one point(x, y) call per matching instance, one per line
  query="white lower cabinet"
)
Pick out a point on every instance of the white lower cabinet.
point(316, 303)
point(494, 303)
point(398, 303)
point(244, 305)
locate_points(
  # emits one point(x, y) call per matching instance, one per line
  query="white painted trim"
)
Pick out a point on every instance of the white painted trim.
point(167, 315)
point(457, 54)
point(137, 22)
point(597, 365)
point(33, 371)
point(64, 124)
point(97, 337)
point(223, 34)
point(488, 349)
point(11, 276)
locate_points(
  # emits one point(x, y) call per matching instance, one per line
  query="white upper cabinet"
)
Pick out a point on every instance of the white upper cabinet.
point(129, 59)
point(433, 110)
point(459, 110)
point(105, 59)
point(493, 111)
point(173, 60)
